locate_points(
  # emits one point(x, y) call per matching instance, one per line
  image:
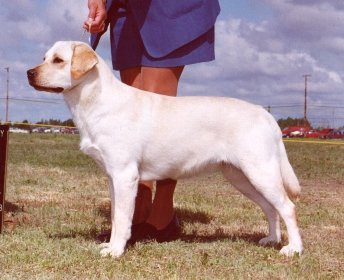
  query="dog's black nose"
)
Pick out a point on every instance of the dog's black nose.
point(31, 73)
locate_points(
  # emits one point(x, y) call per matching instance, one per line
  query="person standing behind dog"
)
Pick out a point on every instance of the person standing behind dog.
point(151, 42)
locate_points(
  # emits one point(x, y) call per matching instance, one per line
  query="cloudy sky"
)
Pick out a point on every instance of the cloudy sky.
point(263, 49)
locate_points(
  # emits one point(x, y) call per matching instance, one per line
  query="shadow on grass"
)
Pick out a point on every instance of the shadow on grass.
point(188, 216)
point(14, 215)
point(185, 216)
point(191, 217)
point(218, 235)
point(11, 207)
point(248, 237)
point(90, 234)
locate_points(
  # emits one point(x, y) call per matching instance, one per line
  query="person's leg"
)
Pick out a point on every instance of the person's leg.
point(132, 77)
point(162, 81)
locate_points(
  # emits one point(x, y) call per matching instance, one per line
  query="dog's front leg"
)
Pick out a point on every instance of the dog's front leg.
point(123, 190)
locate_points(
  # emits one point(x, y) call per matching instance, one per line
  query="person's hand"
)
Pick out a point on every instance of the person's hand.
point(96, 16)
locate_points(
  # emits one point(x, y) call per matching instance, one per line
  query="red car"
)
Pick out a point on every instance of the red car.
point(295, 131)
point(325, 133)
point(312, 134)
point(334, 134)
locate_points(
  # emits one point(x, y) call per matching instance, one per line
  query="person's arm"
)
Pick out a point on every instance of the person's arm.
point(96, 16)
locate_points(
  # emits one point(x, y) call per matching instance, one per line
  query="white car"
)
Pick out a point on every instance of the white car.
point(18, 130)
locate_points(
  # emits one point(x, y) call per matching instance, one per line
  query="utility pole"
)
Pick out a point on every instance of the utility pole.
point(7, 94)
point(3, 157)
point(305, 121)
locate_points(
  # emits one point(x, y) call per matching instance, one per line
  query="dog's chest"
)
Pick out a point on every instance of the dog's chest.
point(92, 150)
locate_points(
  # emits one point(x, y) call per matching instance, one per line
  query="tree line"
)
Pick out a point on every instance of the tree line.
point(69, 123)
point(25, 124)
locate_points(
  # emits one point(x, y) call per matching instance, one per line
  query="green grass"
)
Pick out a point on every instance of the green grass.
point(56, 206)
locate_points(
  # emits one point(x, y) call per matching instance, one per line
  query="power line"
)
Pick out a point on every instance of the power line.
point(327, 106)
point(51, 101)
point(308, 106)
point(284, 106)
point(61, 101)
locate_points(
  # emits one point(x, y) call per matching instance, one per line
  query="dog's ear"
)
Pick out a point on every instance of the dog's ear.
point(83, 60)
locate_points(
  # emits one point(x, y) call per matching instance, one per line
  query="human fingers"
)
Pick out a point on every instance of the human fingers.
point(91, 27)
point(95, 27)
point(96, 16)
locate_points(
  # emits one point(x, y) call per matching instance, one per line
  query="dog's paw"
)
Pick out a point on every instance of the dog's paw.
point(291, 250)
point(111, 250)
point(269, 241)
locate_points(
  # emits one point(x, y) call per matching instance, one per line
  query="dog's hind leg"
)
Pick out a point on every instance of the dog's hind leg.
point(241, 183)
point(123, 190)
point(267, 180)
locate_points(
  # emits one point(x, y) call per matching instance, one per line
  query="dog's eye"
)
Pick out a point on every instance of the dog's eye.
point(57, 60)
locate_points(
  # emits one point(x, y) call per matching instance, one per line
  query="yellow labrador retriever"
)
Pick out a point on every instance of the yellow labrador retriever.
point(136, 135)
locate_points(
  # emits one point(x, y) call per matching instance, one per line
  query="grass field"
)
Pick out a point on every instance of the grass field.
point(57, 205)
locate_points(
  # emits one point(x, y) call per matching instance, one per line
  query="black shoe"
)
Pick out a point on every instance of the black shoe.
point(148, 232)
point(170, 232)
point(142, 232)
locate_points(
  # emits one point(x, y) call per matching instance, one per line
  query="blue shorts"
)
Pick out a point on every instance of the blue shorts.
point(128, 51)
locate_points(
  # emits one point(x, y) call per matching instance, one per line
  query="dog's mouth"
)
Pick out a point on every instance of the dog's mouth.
point(44, 88)
point(48, 89)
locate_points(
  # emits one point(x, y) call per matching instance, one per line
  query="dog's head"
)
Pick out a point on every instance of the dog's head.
point(64, 66)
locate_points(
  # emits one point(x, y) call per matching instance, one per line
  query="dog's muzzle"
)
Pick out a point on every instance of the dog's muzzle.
point(32, 77)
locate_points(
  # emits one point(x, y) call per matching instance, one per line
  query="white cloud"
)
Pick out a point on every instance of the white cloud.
point(34, 29)
point(259, 61)
point(239, 58)
point(255, 64)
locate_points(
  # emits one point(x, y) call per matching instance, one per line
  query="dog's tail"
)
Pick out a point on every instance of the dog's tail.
point(290, 181)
